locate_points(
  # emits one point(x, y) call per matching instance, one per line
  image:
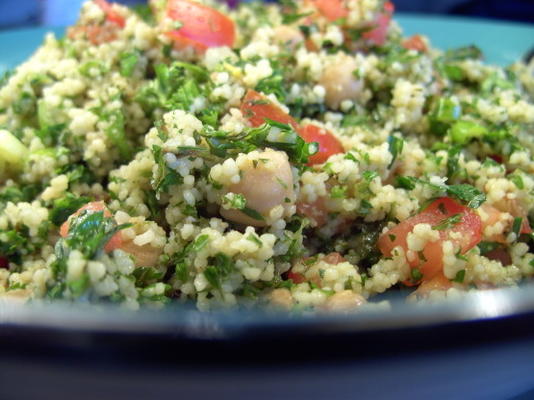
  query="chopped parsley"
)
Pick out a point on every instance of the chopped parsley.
point(460, 276)
point(396, 145)
point(416, 274)
point(64, 207)
point(516, 226)
point(128, 61)
point(448, 223)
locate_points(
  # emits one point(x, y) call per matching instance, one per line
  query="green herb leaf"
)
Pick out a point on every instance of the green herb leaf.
point(128, 61)
point(249, 212)
point(460, 276)
point(338, 192)
point(79, 286)
point(467, 193)
point(448, 223)
point(66, 206)
point(200, 242)
point(254, 239)
point(117, 134)
point(463, 53)
point(416, 274)
point(486, 247)
point(288, 19)
point(516, 226)
point(406, 182)
point(396, 145)
point(145, 276)
point(463, 131)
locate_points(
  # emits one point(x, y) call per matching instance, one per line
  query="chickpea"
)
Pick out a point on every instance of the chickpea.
point(17, 296)
point(287, 36)
point(340, 83)
point(346, 301)
point(144, 256)
point(281, 298)
point(266, 182)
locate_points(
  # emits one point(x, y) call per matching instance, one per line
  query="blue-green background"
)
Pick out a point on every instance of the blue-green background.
point(502, 43)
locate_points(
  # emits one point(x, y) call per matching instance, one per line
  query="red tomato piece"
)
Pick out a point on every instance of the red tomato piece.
point(430, 263)
point(111, 14)
point(378, 34)
point(332, 10)
point(525, 227)
point(416, 43)
point(316, 211)
point(501, 254)
point(257, 108)
point(202, 26)
point(497, 158)
point(328, 143)
point(96, 206)
point(439, 282)
point(334, 258)
point(296, 277)
point(4, 262)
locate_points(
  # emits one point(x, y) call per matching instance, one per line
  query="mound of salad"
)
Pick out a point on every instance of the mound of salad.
point(304, 156)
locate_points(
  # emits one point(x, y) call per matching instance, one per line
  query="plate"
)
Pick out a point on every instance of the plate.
point(502, 43)
point(80, 351)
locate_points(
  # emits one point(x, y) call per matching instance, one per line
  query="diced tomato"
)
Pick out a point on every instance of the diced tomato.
point(438, 282)
point(315, 212)
point(4, 262)
point(501, 254)
point(493, 215)
point(378, 34)
point(525, 228)
point(96, 206)
point(257, 108)
point(430, 262)
point(111, 14)
point(98, 33)
point(202, 27)
point(332, 10)
point(328, 143)
point(334, 258)
point(296, 277)
point(416, 43)
point(497, 158)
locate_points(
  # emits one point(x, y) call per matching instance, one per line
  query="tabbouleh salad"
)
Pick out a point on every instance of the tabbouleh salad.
point(302, 156)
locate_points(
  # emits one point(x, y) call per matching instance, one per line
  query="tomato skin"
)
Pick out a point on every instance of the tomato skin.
point(501, 254)
point(111, 15)
point(415, 43)
point(331, 258)
point(334, 258)
point(328, 143)
point(438, 282)
point(96, 206)
point(378, 34)
point(257, 108)
point(98, 33)
point(202, 26)
point(469, 228)
point(332, 10)
point(296, 277)
point(315, 211)
point(494, 215)
point(525, 227)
